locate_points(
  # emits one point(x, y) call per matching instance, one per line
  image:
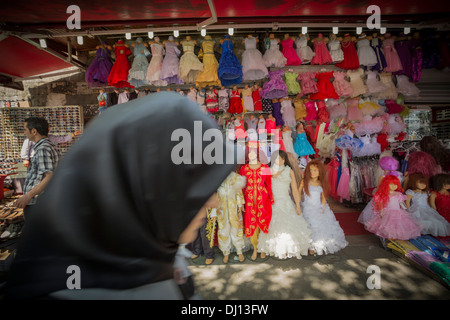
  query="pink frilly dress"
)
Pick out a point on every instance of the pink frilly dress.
point(336, 109)
point(311, 111)
point(308, 83)
point(343, 87)
point(394, 222)
point(322, 56)
point(289, 52)
point(353, 111)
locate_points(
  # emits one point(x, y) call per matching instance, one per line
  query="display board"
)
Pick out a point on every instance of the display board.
point(63, 121)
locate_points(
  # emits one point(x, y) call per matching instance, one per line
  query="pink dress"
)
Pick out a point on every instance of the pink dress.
point(396, 223)
point(343, 87)
point(392, 59)
point(322, 56)
point(354, 113)
point(290, 53)
point(307, 82)
point(311, 111)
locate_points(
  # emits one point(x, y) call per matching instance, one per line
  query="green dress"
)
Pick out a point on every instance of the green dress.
point(292, 83)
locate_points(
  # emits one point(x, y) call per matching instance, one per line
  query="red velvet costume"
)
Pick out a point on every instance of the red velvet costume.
point(118, 77)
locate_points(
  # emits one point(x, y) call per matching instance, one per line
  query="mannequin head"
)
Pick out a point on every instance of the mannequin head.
point(188, 38)
point(286, 36)
point(234, 88)
point(417, 181)
point(388, 185)
point(271, 36)
point(315, 171)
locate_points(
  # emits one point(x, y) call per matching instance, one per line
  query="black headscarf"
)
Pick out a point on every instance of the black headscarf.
point(117, 203)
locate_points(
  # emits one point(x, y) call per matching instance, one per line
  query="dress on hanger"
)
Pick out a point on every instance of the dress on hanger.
point(209, 76)
point(406, 87)
point(275, 88)
point(391, 91)
point(366, 54)
point(302, 146)
point(154, 68)
point(292, 59)
point(304, 52)
point(212, 103)
point(224, 99)
point(351, 60)
point(322, 55)
point(357, 82)
point(343, 190)
point(98, 71)
point(257, 103)
point(404, 49)
point(190, 65)
point(273, 57)
point(333, 166)
point(235, 102)
point(311, 111)
point(336, 109)
point(327, 235)
point(337, 55)
point(325, 87)
point(300, 109)
point(277, 113)
point(289, 235)
point(374, 86)
point(307, 82)
point(118, 77)
point(288, 113)
point(267, 105)
point(392, 59)
point(291, 82)
point(253, 65)
point(171, 64)
point(376, 44)
point(247, 99)
point(138, 72)
point(354, 113)
point(341, 85)
point(230, 69)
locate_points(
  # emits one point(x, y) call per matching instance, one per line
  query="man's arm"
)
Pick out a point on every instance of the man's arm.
point(23, 201)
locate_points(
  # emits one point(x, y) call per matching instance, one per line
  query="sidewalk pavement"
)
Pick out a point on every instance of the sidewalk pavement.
point(340, 276)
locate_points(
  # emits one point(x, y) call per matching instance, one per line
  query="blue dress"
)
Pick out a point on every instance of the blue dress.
point(302, 147)
point(230, 69)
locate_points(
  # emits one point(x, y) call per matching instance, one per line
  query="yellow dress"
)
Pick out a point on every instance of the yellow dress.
point(209, 76)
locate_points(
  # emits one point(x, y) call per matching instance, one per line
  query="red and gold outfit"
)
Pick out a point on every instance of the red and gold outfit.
point(258, 199)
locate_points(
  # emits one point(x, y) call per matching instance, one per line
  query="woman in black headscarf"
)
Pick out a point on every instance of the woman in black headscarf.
point(117, 205)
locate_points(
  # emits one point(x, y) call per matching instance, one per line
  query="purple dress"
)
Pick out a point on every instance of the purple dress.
point(417, 60)
point(276, 112)
point(375, 43)
point(404, 48)
point(431, 55)
point(170, 65)
point(98, 71)
point(275, 88)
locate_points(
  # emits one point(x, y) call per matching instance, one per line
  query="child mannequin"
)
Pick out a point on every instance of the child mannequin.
point(390, 220)
point(327, 235)
point(247, 99)
point(258, 198)
point(230, 215)
point(302, 146)
point(417, 202)
point(289, 235)
point(440, 198)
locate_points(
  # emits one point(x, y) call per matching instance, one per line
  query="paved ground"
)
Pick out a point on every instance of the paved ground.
point(334, 277)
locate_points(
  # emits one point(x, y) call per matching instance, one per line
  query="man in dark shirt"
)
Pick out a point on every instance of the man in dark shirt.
point(114, 97)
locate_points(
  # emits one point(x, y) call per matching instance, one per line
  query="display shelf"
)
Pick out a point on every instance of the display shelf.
point(63, 120)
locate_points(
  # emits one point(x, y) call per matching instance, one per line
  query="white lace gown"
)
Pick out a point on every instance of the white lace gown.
point(327, 235)
point(289, 235)
point(432, 222)
point(253, 65)
point(273, 57)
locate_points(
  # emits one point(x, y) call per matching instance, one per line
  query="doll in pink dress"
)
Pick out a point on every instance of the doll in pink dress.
point(289, 52)
point(390, 220)
point(322, 56)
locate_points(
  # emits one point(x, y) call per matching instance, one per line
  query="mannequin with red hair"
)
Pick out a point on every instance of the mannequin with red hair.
point(390, 220)
point(423, 163)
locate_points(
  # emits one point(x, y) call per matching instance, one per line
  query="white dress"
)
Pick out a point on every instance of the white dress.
point(288, 113)
point(289, 235)
point(288, 143)
point(273, 57)
point(154, 68)
point(334, 46)
point(374, 86)
point(304, 52)
point(406, 87)
point(190, 65)
point(253, 66)
point(432, 222)
point(366, 54)
point(327, 235)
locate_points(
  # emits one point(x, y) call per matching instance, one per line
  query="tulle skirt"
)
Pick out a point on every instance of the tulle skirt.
point(395, 224)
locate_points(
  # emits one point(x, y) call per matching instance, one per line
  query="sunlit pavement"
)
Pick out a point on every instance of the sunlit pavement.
point(343, 275)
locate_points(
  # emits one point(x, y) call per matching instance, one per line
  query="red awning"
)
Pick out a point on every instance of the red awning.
point(22, 59)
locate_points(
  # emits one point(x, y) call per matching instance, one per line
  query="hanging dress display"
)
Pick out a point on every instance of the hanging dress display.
point(376, 45)
point(288, 113)
point(98, 71)
point(275, 88)
point(277, 112)
point(308, 82)
point(325, 87)
point(171, 63)
point(343, 87)
point(118, 77)
point(304, 52)
point(190, 65)
point(374, 86)
point(224, 99)
point(392, 59)
point(322, 55)
point(291, 82)
point(273, 57)
point(257, 99)
point(154, 68)
point(391, 90)
point(253, 65)
point(292, 59)
point(351, 60)
point(406, 87)
point(247, 99)
point(235, 102)
point(138, 72)
point(334, 46)
point(209, 74)
point(366, 54)
point(230, 69)
point(357, 82)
